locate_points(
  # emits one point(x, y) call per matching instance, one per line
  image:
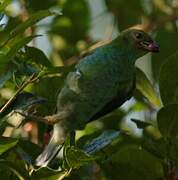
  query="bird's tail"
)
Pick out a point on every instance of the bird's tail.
point(54, 146)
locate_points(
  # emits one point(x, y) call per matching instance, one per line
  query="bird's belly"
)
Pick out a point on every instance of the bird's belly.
point(89, 96)
point(96, 95)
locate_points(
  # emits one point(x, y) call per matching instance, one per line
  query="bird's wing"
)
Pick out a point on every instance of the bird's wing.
point(116, 102)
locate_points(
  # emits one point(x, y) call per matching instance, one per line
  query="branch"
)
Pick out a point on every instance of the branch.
point(29, 80)
point(66, 174)
point(155, 24)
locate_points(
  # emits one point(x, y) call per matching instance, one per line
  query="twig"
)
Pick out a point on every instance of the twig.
point(152, 25)
point(67, 173)
point(29, 80)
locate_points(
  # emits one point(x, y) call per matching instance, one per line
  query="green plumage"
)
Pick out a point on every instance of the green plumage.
point(100, 82)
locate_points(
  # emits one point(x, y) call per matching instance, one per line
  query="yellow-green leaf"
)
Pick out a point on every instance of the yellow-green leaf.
point(146, 89)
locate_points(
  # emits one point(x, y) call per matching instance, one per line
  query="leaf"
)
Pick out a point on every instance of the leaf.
point(146, 88)
point(164, 37)
point(6, 144)
point(167, 119)
point(22, 102)
point(76, 157)
point(101, 142)
point(57, 70)
point(25, 69)
point(10, 166)
point(26, 99)
point(48, 174)
point(31, 21)
point(140, 124)
point(168, 80)
point(37, 56)
point(157, 147)
point(4, 4)
point(16, 46)
point(4, 78)
point(138, 162)
point(3, 125)
point(30, 149)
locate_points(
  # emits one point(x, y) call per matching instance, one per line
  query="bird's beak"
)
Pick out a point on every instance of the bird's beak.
point(150, 46)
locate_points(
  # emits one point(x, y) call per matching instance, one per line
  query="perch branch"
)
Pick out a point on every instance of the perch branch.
point(29, 80)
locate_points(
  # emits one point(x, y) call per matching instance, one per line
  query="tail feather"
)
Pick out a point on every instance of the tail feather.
point(54, 146)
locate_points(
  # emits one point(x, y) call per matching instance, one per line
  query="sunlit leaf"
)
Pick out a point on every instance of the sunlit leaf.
point(4, 4)
point(76, 157)
point(16, 46)
point(47, 173)
point(146, 88)
point(31, 21)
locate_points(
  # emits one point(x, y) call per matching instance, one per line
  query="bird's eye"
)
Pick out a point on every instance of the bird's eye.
point(138, 35)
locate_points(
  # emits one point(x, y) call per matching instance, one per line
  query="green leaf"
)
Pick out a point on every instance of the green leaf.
point(101, 142)
point(76, 157)
point(145, 87)
point(168, 80)
point(57, 70)
point(17, 45)
point(48, 174)
point(6, 144)
point(164, 36)
point(25, 69)
point(4, 78)
point(11, 166)
point(14, 48)
point(3, 125)
point(141, 124)
point(37, 56)
point(138, 162)
point(31, 21)
point(167, 119)
point(4, 4)
point(22, 102)
point(28, 151)
point(157, 147)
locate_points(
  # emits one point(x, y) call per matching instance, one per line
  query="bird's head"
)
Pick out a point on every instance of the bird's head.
point(139, 40)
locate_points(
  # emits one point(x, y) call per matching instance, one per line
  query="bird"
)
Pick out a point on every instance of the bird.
point(101, 82)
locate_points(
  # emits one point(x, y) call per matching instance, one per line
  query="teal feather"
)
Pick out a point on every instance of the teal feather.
point(100, 82)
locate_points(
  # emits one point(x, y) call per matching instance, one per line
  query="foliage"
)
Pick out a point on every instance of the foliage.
point(30, 80)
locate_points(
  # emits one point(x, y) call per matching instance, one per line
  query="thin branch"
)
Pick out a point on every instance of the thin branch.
point(66, 174)
point(29, 80)
point(152, 25)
